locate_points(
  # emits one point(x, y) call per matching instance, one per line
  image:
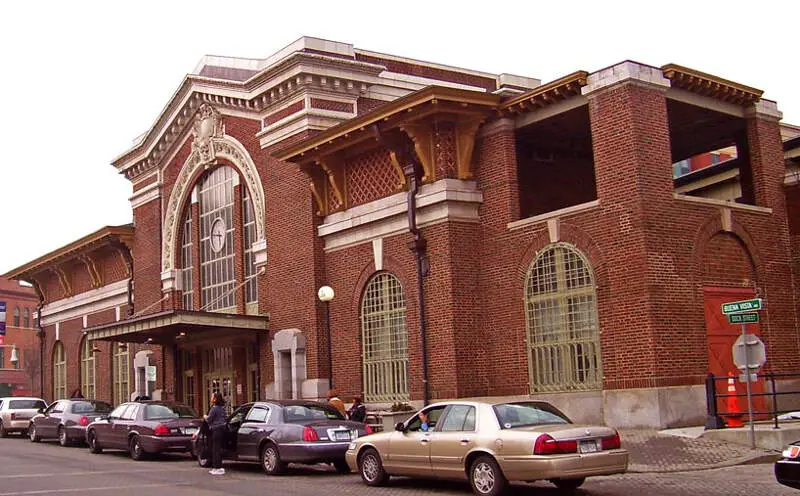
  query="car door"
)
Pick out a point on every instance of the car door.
point(235, 422)
point(409, 450)
point(48, 423)
point(124, 425)
point(251, 432)
point(452, 441)
point(104, 430)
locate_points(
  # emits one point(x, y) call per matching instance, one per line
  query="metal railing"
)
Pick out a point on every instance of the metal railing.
point(715, 392)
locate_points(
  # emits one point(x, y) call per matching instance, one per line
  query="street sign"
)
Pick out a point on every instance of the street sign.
point(742, 306)
point(2, 318)
point(743, 377)
point(748, 348)
point(742, 318)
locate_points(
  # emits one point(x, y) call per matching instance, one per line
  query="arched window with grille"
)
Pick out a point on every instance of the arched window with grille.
point(16, 316)
point(187, 272)
point(26, 317)
point(384, 340)
point(217, 231)
point(59, 371)
point(87, 370)
point(120, 371)
point(561, 320)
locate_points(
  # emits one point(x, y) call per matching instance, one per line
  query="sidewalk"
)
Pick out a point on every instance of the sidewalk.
point(681, 450)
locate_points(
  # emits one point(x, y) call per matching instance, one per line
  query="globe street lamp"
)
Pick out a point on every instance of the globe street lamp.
point(325, 295)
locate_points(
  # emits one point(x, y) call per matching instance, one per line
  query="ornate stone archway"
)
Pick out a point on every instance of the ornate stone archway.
point(210, 143)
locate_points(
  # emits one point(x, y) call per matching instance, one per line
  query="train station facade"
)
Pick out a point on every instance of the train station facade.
point(485, 235)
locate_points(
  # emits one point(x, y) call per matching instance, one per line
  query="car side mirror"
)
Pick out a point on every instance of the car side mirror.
point(400, 427)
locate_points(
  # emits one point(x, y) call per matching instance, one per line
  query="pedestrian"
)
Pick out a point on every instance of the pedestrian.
point(357, 412)
point(334, 401)
point(76, 394)
point(217, 423)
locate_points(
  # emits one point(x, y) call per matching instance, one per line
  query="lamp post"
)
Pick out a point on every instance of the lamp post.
point(14, 356)
point(325, 295)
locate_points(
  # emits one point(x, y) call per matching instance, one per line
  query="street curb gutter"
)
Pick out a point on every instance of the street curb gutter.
point(743, 460)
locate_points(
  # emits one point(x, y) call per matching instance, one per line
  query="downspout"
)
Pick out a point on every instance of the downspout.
point(40, 331)
point(403, 149)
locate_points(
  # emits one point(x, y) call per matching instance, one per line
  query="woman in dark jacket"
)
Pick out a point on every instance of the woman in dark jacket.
point(357, 412)
point(217, 422)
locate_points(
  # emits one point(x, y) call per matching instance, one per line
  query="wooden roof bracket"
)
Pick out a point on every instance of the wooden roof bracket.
point(421, 133)
point(91, 268)
point(334, 169)
point(466, 130)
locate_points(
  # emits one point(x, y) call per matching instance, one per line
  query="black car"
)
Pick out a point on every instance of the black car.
point(66, 420)
point(787, 469)
point(143, 428)
point(275, 433)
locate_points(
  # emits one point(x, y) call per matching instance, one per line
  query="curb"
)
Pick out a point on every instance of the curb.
point(743, 460)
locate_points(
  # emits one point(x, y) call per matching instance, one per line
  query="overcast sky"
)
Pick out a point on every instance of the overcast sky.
point(80, 80)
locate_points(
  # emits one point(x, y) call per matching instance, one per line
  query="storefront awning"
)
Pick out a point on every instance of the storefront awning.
point(176, 326)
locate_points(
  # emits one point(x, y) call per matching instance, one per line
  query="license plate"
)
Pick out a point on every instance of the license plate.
point(341, 436)
point(190, 430)
point(587, 446)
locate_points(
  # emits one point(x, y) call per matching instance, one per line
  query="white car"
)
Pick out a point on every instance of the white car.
point(16, 413)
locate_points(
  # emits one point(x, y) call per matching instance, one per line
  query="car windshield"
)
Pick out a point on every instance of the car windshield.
point(26, 404)
point(512, 415)
point(152, 412)
point(308, 413)
point(91, 407)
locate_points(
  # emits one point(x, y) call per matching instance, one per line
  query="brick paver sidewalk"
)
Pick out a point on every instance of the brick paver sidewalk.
point(651, 451)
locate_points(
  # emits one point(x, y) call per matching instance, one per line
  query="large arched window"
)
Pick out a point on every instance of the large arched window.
point(217, 253)
point(561, 318)
point(26, 317)
point(120, 371)
point(384, 340)
point(59, 372)
point(187, 274)
point(16, 316)
point(87, 370)
point(249, 228)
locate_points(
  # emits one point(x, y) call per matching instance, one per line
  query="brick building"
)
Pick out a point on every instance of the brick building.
point(19, 348)
point(484, 234)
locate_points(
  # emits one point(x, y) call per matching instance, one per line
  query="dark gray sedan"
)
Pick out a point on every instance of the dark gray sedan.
point(66, 420)
point(275, 433)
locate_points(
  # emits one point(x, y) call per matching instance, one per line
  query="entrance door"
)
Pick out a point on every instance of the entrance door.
point(222, 382)
point(721, 337)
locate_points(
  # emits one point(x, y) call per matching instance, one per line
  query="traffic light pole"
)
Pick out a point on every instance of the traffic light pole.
point(749, 393)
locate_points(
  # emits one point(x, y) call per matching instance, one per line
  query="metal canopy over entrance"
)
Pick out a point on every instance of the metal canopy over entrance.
point(177, 325)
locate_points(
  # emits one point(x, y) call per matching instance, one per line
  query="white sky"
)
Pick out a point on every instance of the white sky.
point(80, 80)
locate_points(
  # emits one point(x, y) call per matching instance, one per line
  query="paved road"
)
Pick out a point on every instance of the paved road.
point(48, 469)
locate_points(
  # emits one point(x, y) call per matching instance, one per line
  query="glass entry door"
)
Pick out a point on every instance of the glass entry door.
point(219, 375)
point(222, 382)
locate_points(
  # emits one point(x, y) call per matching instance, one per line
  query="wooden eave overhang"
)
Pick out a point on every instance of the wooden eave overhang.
point(108, 235)
point(710, 86)
point(552, 92)
point(413, 107)
point(171, 325)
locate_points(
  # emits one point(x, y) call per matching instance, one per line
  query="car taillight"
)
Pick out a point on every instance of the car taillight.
point(13, 416)
point(161, 430)
point(546, 445)
point(369, 429)
point(309, 434)
point(84, 421)
point(611, 442)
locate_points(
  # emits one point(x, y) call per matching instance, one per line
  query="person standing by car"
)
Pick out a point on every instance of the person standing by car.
point(334, 401)
point(216, 420)
point(357, 412)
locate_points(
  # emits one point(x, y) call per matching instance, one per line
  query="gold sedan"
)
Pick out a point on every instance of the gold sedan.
point(490, 444)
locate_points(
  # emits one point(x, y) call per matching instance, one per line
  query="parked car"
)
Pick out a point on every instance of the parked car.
point(66, 420)
point(16, 413)
point(489, 444)
point(144, 427)
point(275, 433)
point(787, 469)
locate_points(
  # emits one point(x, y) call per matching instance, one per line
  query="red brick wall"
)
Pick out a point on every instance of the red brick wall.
point(145, 182)
point(147, 257)
point(333, 105)
point(430, 72)
point(548, 186)
point(286, 112)
point(366, 105)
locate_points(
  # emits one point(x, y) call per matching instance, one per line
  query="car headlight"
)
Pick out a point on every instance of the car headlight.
point(351, 446)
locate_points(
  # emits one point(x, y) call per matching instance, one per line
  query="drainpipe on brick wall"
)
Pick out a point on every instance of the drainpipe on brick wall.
point(40, 331)
point(403, 149)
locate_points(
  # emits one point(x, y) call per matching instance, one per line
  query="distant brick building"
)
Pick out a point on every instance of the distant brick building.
point(19, 377)
point(547, 250)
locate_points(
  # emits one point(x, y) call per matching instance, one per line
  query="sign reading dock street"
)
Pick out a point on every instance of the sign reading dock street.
point(742, 318)
point(741, 306)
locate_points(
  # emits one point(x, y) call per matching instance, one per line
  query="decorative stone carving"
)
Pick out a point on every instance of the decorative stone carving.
point(210, 131)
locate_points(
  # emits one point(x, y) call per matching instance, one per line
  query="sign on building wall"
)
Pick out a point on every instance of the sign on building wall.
point(2, 322)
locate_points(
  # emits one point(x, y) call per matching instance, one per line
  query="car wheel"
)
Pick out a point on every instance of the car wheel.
point(63, 440)
point(568, 484)
point(137, 453)
point(202, 455)
point(271, 460)
point(3, 431)
point(91, 439)
point(341, 466)
point(371, 469)
point(486, 477)
point(32, 434)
